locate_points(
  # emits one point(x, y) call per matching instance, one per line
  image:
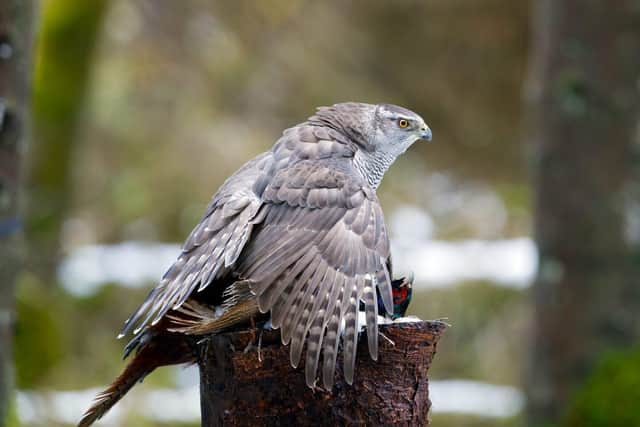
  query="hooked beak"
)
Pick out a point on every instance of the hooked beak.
point(425, 133)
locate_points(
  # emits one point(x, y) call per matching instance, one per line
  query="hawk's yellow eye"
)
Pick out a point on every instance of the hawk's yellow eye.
point(403, 123)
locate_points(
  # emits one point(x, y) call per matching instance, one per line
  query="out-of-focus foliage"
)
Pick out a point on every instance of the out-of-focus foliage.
point(610, 396)
point(211, 84)
point(143, 107)
point(484, 340)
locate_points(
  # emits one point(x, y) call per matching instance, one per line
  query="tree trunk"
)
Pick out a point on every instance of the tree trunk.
point(67, 39)
point(584, 119)
point(15, 51)
point(237, 389)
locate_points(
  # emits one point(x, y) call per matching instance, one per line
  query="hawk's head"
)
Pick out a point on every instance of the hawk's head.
point(383, 128)
point(379, 133)
point(396, 128)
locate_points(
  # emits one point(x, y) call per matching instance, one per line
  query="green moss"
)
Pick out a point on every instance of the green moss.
point(12, 416)
point(64, 342)
point(453, 420)
point(610, 396)
point(38, 337)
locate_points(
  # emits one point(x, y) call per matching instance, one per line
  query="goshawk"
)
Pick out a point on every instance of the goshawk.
point(297, 233)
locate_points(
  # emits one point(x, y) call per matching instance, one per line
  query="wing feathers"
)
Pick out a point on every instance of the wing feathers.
point(350, 332)
point(300, 324)
point(215, 243)
point(312, 262)
point(371, 316)
point(285, 302)
point(330, 348)
point(307, 236)
point(383, 281)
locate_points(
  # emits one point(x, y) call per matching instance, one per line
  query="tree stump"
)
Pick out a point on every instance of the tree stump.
point(237, 389)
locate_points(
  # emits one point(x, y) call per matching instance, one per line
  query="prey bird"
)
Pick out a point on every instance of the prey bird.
point(297, 234)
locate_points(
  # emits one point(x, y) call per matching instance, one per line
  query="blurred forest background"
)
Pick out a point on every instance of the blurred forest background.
point(521, 220)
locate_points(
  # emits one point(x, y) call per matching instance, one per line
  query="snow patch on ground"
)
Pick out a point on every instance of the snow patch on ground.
point(508, 262)
point(475, 398)
point(435, 263)
point(183, 404)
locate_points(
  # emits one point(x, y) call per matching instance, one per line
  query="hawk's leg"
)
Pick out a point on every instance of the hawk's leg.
point(252, 342)
point(252, 330)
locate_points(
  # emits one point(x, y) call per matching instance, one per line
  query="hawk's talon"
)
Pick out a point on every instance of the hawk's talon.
point(389, 340)
point(260, 345)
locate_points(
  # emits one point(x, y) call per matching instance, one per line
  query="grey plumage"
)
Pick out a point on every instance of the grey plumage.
point(301, 225)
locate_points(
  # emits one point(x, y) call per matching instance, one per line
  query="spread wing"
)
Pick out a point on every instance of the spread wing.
point(214, 244)
point(308, 235)
point(321, 249)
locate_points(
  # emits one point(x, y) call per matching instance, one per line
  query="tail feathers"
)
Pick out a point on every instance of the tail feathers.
point(133, 373)
point(154, 350)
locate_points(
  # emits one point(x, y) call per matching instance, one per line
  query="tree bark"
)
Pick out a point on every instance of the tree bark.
point(584, 117)
point(237, 389)
point(15, 54)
